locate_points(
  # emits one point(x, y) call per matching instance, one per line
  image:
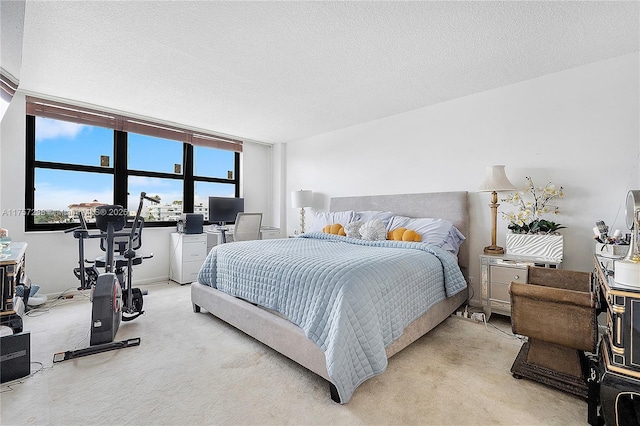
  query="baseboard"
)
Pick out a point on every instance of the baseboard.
point(155, 280)
point(74, 291)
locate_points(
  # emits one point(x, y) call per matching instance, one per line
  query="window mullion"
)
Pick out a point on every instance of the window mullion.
point(188, 198)
point(30, 177)
point(120, 173)
point(236, 173)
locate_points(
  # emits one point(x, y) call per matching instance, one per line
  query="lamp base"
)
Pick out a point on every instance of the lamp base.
point(493, 250)
point(302, 220)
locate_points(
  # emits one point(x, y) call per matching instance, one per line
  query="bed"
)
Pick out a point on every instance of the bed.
point(340, 343)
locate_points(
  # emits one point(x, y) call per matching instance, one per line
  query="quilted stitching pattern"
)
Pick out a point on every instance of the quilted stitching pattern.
point(351, 297)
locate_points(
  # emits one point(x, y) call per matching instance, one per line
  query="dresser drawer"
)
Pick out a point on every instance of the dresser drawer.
point(194, 251)
point(500, 291)
point(190, 271)
point(506, 274)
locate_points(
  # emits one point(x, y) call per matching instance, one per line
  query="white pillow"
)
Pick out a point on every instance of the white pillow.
point(322, 219)
point(454, 240)
point(373, 230)
point(369, 215)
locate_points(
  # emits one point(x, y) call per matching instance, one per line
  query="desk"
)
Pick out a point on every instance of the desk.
point(11, 272)
point(214, 237)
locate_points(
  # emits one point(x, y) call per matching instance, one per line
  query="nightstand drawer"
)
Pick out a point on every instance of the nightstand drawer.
point(497, 271)
point(500, 291)
point(505, 275)
point(503, 308)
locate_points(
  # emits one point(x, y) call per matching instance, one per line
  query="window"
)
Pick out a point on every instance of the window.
point(155, 166)
point(77, 160)
point(202, 192)
point(212, 163)
point(143, 154)
point(214, 173)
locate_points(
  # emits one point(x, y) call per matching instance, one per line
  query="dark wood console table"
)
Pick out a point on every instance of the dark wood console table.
point(619, 351)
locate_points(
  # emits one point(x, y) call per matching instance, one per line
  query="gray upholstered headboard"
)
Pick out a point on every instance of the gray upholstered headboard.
point(453, 206)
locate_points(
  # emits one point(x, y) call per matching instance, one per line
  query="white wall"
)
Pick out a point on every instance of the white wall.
point(51, 256)
point(578, 129)
point(257, 175)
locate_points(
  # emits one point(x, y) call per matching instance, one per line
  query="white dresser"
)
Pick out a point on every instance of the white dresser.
point(187, 254)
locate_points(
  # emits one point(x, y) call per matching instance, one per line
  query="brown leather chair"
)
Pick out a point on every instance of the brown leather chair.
point(556, 310)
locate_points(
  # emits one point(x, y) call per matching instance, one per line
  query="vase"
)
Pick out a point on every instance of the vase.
point(536, 245)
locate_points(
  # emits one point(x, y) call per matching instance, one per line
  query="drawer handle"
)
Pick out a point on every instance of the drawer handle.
point(516, 277)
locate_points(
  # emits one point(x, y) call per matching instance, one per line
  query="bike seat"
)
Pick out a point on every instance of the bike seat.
point(119, 261)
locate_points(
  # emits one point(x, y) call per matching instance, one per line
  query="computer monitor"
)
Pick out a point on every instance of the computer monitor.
point(224, 210)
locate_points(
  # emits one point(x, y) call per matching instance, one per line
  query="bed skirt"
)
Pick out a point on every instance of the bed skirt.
point(289, 339)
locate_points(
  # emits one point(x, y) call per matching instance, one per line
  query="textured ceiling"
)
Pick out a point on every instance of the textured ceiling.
point(281, 71)
point(11, 23)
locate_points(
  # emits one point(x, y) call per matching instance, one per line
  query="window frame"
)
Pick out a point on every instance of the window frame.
point(121, 172)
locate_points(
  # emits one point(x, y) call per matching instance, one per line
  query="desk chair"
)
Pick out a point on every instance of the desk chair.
point(247, 226)
point(556, 310)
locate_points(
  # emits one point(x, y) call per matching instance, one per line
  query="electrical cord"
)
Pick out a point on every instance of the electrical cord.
point(470, 287)
point(60, 300)
point(505, 333)
point(9, 385)
point(83, 339)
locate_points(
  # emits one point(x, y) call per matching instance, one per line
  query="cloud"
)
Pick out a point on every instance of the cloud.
point(51, 129)
point(168, 190)
point(53, 197)
point(151, 182)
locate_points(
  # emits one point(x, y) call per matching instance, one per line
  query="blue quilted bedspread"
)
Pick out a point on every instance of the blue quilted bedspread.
point(351, 297)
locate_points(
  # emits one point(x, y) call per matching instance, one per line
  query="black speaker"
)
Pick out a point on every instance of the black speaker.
point(15, 356)
point(191, 223)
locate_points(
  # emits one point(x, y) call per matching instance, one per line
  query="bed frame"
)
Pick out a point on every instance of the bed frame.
point(290, 340)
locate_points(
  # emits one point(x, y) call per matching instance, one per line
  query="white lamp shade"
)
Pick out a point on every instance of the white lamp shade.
point(495, 179)
point(302, 198)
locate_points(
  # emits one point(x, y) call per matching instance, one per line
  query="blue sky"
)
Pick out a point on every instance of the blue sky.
point(65, 142)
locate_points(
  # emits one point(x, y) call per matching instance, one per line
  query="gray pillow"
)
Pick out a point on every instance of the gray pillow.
point(353, 229)
point(373, 230)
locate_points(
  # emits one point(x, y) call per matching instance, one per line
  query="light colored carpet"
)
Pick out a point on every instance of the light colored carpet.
point(194, 369)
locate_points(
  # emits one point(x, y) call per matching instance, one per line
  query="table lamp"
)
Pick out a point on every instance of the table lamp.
point(301, 199)
point(495, 180)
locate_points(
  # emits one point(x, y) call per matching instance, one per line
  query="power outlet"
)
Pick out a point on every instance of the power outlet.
point(477, 316)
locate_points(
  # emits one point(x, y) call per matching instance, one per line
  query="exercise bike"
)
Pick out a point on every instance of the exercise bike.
point(113, 298)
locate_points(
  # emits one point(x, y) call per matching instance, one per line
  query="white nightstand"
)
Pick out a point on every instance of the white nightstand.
point(498, 271)
point(187, 254)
